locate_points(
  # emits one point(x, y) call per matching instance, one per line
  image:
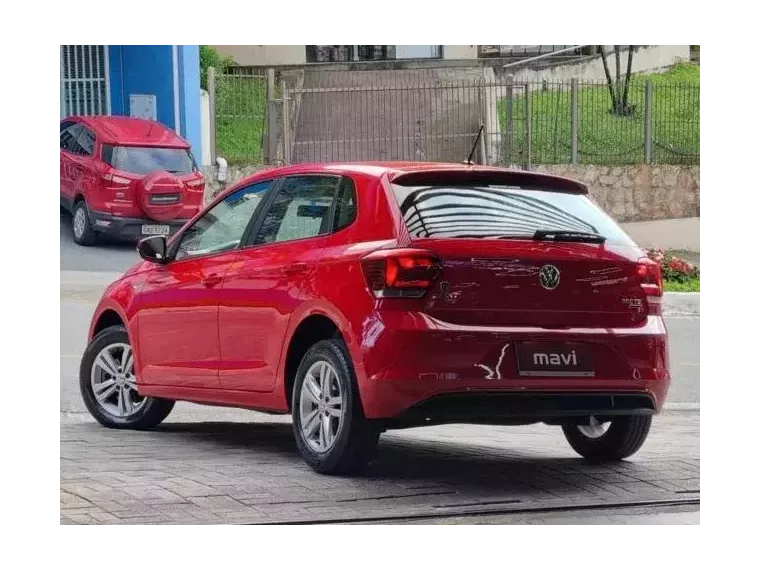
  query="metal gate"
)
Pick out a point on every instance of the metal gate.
point(432, 120)
point(84, 81)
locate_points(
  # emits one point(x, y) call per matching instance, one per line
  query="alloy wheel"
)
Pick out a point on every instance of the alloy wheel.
point(321, 406)
point(113, 381)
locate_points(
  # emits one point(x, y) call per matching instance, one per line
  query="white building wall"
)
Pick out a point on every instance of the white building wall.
point(265, 55)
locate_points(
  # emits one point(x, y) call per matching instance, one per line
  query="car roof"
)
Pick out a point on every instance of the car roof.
point(131, 131)
point(430, 173)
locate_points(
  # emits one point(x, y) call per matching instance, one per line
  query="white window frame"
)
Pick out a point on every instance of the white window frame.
point(70, 106)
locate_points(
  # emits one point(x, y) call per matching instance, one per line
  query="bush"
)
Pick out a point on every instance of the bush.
point(674, 269)
point(211, 58)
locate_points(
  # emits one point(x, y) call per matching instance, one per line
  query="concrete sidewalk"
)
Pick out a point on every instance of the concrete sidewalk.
point(676, 233)
point(681, 515)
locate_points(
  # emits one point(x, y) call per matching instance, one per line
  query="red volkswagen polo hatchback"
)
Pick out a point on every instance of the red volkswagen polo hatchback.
point(126, 178)
point(365, 297)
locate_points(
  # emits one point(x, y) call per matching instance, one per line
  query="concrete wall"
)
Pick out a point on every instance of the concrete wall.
point(234, 173)
point(638, 192)
point(635, 193)
point(460, 52)
point(265, 55)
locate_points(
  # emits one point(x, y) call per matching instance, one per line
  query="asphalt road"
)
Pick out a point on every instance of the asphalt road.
point(106, 257)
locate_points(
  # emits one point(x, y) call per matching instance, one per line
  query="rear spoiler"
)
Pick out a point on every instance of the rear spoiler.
point(518, 178)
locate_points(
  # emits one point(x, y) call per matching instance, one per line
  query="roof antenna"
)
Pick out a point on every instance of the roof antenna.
point(472, 152)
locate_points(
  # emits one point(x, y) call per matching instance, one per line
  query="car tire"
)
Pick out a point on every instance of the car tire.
point(84, 234)
point(624, 437)
point(343, 441)
point(112, 398)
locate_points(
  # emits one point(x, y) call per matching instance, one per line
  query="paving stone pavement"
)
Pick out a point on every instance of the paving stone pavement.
point(224, 472)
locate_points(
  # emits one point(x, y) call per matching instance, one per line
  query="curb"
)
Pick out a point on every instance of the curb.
point(85, 285)
point(681, 407)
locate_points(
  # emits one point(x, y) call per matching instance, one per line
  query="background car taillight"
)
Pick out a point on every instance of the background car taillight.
point(196, 183)
point(116, 179)
point(116, 184)
point(650, 278)
point(400, 273)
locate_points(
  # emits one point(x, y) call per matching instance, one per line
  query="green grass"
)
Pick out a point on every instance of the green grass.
point(240, 118)
point(604, 138)
point(690, 286)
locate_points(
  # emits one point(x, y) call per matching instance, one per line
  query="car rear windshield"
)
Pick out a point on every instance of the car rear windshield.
point(142, 160)
point(493, 211)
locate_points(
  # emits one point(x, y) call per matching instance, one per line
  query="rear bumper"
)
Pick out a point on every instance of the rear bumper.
point(118, 227)
point(502, 408)
point(409, 366)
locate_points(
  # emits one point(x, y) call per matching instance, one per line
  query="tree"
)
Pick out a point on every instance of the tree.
point(618, 88)
point(211, 58)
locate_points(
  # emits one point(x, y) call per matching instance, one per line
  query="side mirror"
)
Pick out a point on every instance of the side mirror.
point(153, 249)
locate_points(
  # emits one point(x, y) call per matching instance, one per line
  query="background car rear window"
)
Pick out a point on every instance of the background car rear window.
point(142, 160)
point(500, 211)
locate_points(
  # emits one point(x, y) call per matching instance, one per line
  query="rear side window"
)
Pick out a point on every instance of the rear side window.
point(143, 160)
point(345, 205)
point(491, 211)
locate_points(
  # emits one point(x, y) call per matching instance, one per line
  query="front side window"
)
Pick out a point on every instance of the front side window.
point(300, 210)
point(222, 227)
point(143, 160)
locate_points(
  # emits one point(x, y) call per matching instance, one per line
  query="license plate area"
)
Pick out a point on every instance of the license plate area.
point(155, 230)
point(554, 359)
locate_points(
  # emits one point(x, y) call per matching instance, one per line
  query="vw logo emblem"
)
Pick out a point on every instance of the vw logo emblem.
point(548, 276)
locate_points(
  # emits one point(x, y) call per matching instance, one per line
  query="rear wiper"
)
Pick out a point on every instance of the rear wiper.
point(565, 235)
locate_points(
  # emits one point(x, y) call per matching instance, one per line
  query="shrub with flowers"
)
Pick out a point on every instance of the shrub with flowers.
point(673, 268)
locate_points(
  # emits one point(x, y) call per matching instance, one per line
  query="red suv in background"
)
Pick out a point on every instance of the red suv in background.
point(126, 178)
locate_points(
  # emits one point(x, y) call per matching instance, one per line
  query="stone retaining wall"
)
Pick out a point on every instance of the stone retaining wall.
point(629, 193)
point(638, 192)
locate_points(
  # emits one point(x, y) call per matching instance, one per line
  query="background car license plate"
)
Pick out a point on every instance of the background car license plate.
point(150, 230)
point(554, 359)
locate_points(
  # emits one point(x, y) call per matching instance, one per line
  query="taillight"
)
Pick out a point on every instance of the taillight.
point(400, 273)
point(650, 278)
point(116, 179)
point(195, 182)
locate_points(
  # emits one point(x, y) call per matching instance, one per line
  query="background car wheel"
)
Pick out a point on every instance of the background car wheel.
point(108, 384)
point(84, 234)
point(331, 432)
point(608, 439)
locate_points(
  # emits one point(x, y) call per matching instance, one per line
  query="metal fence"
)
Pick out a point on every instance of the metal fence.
point(239, 115)
point(435, 115)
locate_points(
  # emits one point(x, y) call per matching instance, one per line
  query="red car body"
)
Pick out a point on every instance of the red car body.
point(230, 328)
point(116, 168)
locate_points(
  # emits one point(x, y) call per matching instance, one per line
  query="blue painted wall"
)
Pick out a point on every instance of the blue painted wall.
point(149, 70)
point(190, 96)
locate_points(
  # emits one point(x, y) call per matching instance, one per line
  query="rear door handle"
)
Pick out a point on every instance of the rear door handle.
point(212, 280)
point(295, 268)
